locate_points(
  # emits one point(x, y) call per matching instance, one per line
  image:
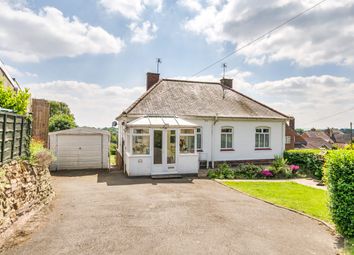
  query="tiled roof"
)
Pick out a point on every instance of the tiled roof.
point(206, 99)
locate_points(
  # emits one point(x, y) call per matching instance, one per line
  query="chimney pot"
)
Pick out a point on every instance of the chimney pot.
point(226, 82)
point(151, 79)
point(292, 123)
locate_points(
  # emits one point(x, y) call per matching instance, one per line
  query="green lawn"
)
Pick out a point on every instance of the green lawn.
point(309, 200)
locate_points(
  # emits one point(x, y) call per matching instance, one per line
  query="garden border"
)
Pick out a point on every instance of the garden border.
point(329, 226)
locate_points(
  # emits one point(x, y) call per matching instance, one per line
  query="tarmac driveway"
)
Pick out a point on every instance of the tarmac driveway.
point(112, 214)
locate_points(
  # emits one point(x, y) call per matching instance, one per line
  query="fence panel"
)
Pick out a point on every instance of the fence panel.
point(15, 136)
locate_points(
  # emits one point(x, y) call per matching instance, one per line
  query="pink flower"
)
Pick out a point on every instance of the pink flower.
point(294, 168)
point(266, 173)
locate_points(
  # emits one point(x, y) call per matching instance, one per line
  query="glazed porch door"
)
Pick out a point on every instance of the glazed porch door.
point(164, 152)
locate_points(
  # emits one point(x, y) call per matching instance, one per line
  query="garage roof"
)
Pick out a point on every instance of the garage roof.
point(81, 131)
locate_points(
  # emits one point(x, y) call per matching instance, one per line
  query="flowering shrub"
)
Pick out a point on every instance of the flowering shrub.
point(266, 173)
point(294, 168)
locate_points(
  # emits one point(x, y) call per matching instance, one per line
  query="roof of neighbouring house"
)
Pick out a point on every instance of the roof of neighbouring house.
point(6, 74)
point(193, 98)
point(317, 142)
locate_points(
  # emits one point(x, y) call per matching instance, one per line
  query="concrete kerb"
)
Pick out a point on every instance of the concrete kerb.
point(330, 227)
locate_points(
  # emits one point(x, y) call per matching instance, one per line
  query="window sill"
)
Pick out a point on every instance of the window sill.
point(262, 149)
point(227, 150)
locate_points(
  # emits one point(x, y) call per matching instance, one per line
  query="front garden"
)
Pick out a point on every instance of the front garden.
point(335, 168)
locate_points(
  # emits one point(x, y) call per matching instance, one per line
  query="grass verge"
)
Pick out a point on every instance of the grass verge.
point(295, 196)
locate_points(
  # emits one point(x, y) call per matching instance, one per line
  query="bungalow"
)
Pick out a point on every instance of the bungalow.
point(178, 125)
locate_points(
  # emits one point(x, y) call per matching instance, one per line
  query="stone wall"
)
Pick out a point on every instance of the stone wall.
point(23, 187)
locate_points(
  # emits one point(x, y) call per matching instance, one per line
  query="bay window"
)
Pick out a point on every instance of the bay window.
point(262, 138)
point(187, 141)
point(141, 141)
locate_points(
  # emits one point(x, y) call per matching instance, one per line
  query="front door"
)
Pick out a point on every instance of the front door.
point(164, 153)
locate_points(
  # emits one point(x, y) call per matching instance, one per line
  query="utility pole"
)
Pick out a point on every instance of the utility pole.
point(158, 62)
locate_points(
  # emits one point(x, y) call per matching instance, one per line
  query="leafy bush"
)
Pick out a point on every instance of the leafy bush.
point(280, 167)
point(14, 100)
point(247, 171)
point(113, 149)
point(40, 155)
point(310, 161)
point(340, 166)
point(61, 122)
point(222, 172)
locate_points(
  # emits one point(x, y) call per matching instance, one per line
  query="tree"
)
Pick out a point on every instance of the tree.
point(59, 108)
point(300, 131)
point(61, 122)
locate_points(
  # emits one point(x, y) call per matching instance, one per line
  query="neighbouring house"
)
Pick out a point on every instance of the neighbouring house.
point(177, 125)
point(6, 77)
point(317, 139)
point(292, 139)
point(339, 138)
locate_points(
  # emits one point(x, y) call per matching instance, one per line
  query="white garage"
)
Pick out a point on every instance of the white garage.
point(80, 148)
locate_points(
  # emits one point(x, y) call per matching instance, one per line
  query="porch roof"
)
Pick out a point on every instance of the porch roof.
point(172, 122)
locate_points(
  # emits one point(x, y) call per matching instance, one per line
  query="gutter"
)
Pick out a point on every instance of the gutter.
point(212, 140)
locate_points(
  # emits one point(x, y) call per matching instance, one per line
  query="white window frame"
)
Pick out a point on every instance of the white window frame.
point(227, 134)
point(195, 140)
point(200, 133)
point(132, 135)
point(262, 134)
point(288, 139)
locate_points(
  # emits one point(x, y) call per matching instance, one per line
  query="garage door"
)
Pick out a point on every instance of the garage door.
point(79, 151)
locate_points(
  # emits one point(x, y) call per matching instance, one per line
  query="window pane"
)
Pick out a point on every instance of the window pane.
point(186, 144)
point(265, 130)
point(171, 146)
point(199, 141)
point(223, 141)
point(257, 141)
point(141, 131)
point(262, 140)
point(198, 130)
point(157, 146)
point(187, 131)
point(141, 144)
point(266, 140)
point(259, 130)
point(229, 141)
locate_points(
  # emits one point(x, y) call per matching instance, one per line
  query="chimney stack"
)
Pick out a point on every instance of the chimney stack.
point(226, 82)
point(292, 123)
point(151, 79)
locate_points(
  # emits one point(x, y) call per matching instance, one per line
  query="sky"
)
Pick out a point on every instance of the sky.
point(94, 55)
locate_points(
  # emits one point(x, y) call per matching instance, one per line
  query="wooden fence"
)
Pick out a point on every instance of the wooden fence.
point(40, 122)
point(15, 136)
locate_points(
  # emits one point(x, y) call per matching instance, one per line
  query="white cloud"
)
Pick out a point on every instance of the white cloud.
point(14, 72)
point(319, 37)
point(29, 36)
point(193, 5)
point(131, 9)
point(92, 104)
point(143, 33)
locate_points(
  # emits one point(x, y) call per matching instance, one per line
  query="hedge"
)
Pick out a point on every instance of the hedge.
point(340, 171)
point(310, 161)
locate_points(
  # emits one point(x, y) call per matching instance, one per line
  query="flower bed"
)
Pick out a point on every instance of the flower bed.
point(278, 169)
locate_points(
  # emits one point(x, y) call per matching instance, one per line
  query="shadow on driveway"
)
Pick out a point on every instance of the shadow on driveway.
point(114, 178)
